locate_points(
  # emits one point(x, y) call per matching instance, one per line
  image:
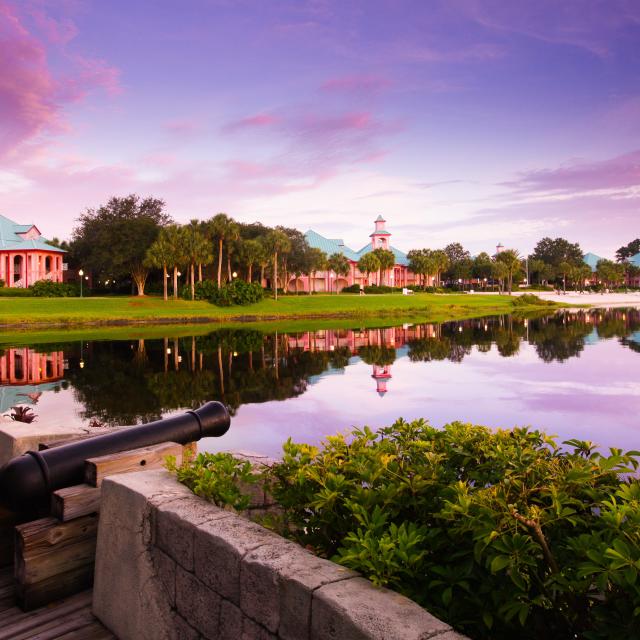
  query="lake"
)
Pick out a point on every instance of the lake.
point(574, 373)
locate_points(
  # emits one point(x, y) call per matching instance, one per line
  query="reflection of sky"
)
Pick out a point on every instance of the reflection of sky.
point(593, 397)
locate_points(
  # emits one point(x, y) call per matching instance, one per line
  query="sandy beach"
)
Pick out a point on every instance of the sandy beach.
point(631, 299)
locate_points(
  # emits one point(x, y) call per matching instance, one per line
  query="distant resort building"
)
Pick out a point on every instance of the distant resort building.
point(25, 256)
point(398, 276)
point(591, 260)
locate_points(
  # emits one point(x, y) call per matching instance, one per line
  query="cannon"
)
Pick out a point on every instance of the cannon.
point(28, 480)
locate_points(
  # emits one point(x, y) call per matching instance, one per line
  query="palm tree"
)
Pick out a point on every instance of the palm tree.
point(339, 264)
point(317, 262)
point(511, 259)
point(251, 253)
point(386, 259)
point(220, 227)
point(440, 263)
point(160, 255)
point(499, 273)
point(564, 268)
point(196, 250)
point(368, 264)
point(263, 257)
point(233, 237)
point(277, 243)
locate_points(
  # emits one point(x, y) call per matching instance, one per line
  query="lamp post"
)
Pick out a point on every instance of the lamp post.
point(81, 274)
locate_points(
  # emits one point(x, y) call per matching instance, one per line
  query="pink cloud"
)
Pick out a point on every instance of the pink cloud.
point(32, 99)
point(620, 172)
point(182, 127)
point(357, 84)
point(476, 52)
point(258, 121)
point(55, 31)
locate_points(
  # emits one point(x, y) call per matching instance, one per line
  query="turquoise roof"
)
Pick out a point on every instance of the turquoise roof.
point(592, 260)
point(11, 241)
point(635, 260)
point(380, 219)
point(317, 241)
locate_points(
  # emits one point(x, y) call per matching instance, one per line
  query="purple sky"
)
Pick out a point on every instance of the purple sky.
point(459, 120)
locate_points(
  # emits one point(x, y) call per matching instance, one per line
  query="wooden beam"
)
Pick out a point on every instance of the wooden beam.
point(76, 501)
point(53, 559)
point(97, 469)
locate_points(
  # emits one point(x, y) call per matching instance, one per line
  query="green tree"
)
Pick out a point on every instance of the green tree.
point(113, 240)
point(339, 264)
point(251, 253)
point(221, 227)
point(368, 264)
point(387, 260)
point(623, 253)
point(500, 272)
point(611, 273)
point(564, 269)
point(277, 243)
point(536, 269)
point(555, 251)
point(162, 254)
point(511, 260)
point(196, 250)
point(482, 267)
point(317, 262)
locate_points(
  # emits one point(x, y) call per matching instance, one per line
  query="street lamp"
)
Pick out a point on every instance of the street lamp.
point(234, 274)
point(81, 273)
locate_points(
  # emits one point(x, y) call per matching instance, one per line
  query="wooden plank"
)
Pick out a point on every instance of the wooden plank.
point(93, 631)
point(97, 469)
point(53, 559)
point(72, 502)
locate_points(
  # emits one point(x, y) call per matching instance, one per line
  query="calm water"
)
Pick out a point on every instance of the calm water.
point(573, 374)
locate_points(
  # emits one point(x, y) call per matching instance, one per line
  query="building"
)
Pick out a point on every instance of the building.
point(25, 256)
point(634, 281)
point(398, 276)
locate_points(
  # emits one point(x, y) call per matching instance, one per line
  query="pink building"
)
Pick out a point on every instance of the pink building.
point(25, 256)
point(326, 281)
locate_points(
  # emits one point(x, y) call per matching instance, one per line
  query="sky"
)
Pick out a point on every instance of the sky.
point(476, 121)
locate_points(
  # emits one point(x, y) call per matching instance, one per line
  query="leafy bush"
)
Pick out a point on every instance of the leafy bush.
point(528, 299)
point(2, 283)
point(15, 292)
point(237, 292)
point(500, 533)
point(49, 289)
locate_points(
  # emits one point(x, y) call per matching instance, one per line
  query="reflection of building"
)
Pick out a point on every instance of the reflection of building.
point(397, 276)
point(25, 257)
point(24, 366)
point(381, 373)
point(25, 374)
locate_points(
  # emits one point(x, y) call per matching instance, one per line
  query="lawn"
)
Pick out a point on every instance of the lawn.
point(32, 313)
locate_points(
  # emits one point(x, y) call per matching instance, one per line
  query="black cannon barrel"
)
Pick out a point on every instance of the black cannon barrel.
point(28, 480)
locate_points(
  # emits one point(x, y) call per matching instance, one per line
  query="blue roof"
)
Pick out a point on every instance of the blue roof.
point(329, 246)
point(635, 260)
point(10, 240)
point(592, 260)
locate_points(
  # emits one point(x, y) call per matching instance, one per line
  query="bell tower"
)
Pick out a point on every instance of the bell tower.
point(380, 236)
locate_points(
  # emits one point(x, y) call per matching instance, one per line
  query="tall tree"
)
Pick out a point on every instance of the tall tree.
point(339, 264)
point(113, 240)
point(482, 267)
point(441, 263)
point(554, 251)
point(500, 272)
point(220, 226)
point(369, 264)
point(161, 255)
point(387, 260)
point(623, 253)
point(317, 262)
point(196, 249)
point(511, 260)
point(251, 253)
point(277, 244)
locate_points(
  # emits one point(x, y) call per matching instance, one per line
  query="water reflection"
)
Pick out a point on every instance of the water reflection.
point(128, 381)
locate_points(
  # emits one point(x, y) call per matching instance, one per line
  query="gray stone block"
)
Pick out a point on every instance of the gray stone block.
point(181, 629)
point(356, 610)
point(253, 631)
point(166, 571)
point(230, 621)
point(276, 585)
point(175, 524)
point(197, 604)
point(219, 547)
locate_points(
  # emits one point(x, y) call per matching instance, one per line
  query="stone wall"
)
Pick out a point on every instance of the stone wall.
point(170, 565)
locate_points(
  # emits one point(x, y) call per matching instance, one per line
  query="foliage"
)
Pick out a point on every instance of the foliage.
point(237, 292)
point(628, 251)
point(217, 477)
point(610, 272)
point(2, 283)
point(367, 264)
point(49, 289)
point(511, 260)
point(554, 251)
point(501, 533)
point(22, 414)
point(355, 288)
point(205, 290)
point(528, 299)
point(339, 264)
point(113, 240)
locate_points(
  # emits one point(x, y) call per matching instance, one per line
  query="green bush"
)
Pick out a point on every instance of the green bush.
point(501, 533)
point(528, 299)
point(2, 283)
point(237, 292)
point(14, 292)
point(204, 290)
point(374, 288)
point(49, 289)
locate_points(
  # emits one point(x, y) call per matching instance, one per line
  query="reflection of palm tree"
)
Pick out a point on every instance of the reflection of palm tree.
point(377, 354)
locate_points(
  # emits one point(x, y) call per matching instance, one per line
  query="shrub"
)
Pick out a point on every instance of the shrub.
point(528, 299)
point(2, 283)
point(204, 290)
point(501, 533)
point(49, 289)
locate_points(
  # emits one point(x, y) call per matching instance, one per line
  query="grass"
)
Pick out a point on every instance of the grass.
point(39, 313)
